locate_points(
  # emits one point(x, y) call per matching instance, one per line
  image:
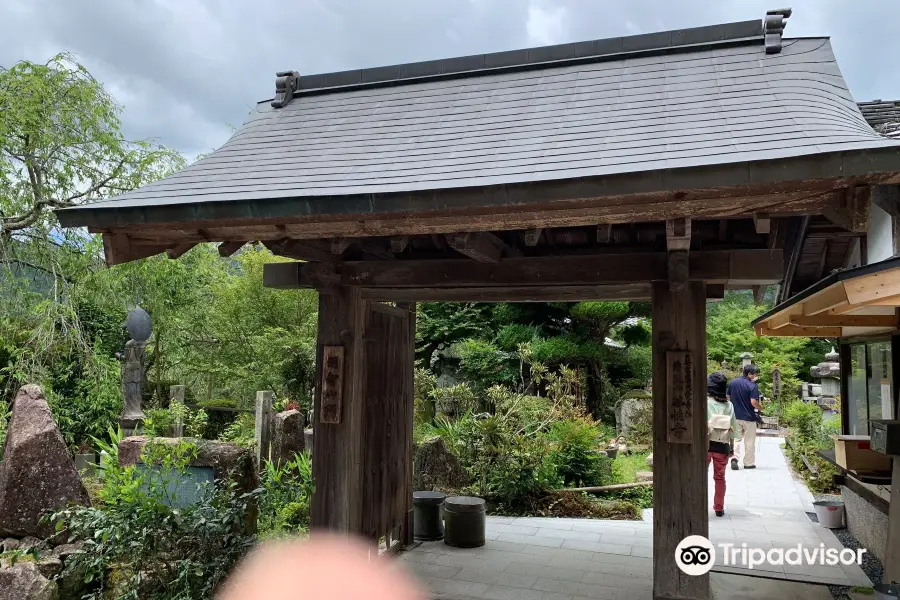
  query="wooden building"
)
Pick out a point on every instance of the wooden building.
point(666, 166)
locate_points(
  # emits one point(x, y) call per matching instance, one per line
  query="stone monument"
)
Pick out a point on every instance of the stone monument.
point(139, 326)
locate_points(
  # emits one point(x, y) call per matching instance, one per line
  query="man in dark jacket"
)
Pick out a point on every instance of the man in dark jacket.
point(744, 395)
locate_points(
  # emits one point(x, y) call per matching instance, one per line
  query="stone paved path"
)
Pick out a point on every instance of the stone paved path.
point(569, 559)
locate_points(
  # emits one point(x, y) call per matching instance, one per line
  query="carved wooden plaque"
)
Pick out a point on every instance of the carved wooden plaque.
point(776, 383)
point(679, 397)
point(332, 384)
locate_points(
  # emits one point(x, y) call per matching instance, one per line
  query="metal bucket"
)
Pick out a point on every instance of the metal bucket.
point(830, 513)
point(886, 591)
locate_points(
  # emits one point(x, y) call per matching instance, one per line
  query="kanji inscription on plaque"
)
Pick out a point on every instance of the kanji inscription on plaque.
point(332, 384)
point(679, 397)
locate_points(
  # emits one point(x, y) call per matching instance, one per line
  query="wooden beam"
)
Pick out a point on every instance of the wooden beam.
point(118, 249)
point(827, 299)
point(743, 267)
point(715, 291)
point(762, 222)
point(482, 247)
point(295, 275)
point(826, 320)
point(339, 245)
point(678, 243)
point(604, 233)
point(794, 331)
point(678, 234)
point(576, 213)
point(399, 243)
point(546, 293)
point(850, 209)
point(226, 249)
point(679, 469)
point(794, 259)
point(530, 237)
point(820, 267)
point(375, 249)
point(884, 301)
point(864, 289)
point(305, 250)
point(179, 250)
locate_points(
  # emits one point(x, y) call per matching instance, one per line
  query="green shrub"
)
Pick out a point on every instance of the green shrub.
point(575, 455)
point(218, 403)
point(424, 383)
point(160, 422)
point(484, 364)
point(641, 497)
point(454, 400)
point(804, 419)
point(287, 493)
point(134, 540)
point(241, 431)
point(624, 467)
point(510, 336)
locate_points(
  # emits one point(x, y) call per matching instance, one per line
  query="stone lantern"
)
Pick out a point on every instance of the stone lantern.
point(829, 375)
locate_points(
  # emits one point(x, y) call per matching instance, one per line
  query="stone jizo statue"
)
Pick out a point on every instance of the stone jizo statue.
point(140, 327)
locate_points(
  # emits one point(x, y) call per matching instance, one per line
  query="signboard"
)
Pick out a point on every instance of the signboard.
point(332, 384)
point(182, 489)
point(776, 383)
point(679, 397)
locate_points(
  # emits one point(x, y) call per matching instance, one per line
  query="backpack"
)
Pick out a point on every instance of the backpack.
point(720, 429)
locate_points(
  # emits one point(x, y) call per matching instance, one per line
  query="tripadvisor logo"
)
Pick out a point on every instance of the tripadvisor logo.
point(696, 555)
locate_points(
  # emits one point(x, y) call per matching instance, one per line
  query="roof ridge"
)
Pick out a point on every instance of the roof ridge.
point(739, 32)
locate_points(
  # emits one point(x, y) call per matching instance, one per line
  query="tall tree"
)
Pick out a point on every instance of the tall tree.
point(61, 144)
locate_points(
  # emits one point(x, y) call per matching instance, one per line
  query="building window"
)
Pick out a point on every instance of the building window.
point(869, 386)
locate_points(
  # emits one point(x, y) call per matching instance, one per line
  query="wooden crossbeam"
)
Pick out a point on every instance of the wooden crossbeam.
point(827, 320)
point(482, 247)
point(179, 250)
point(339, 245)
point(301, 250)
point(226, 249)
point(827, 299)
point(716, 267)
point(118, 249)
point(850, 209)
point(793, 331)
point(546, 293)
point(399, 243)
point(867, 288)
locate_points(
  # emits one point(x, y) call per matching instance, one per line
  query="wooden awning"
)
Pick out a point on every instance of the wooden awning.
point(859, 301)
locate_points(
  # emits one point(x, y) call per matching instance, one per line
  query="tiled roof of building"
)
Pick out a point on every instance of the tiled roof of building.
point(659, 102)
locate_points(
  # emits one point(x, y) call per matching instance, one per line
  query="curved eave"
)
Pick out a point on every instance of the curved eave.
point(866, 166)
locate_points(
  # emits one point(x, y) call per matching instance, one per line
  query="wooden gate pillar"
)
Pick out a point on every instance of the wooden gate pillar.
point(679, 435)
point(338, 441)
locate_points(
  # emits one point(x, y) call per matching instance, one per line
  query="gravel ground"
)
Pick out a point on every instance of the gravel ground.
point(871, 566)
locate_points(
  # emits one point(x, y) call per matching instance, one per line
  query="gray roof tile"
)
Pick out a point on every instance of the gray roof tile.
point(720, 105)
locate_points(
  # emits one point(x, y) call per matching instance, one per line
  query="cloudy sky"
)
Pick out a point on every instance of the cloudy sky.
point(187, 71)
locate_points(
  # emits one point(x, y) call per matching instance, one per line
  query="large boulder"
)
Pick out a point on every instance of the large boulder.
point(287, 435)
point(435, 468)
point(37, 473)
point(23, 581)
point(634, 415)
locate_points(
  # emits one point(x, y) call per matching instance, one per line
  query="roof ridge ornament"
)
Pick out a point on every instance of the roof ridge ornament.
point(286, 83)
point(773, 26)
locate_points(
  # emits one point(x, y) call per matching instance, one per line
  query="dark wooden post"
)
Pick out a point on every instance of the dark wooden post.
point(406, 534)
point(337, 442)
point(679, 456)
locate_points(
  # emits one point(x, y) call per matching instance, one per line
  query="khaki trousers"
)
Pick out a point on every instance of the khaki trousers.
point(747, 433)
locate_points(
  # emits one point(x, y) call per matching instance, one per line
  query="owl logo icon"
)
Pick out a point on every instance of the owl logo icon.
point(695, 555)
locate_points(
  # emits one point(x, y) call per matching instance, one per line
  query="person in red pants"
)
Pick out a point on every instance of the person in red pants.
point(722, 430)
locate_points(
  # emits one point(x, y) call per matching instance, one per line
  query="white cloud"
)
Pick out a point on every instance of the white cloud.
point(546, 26)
